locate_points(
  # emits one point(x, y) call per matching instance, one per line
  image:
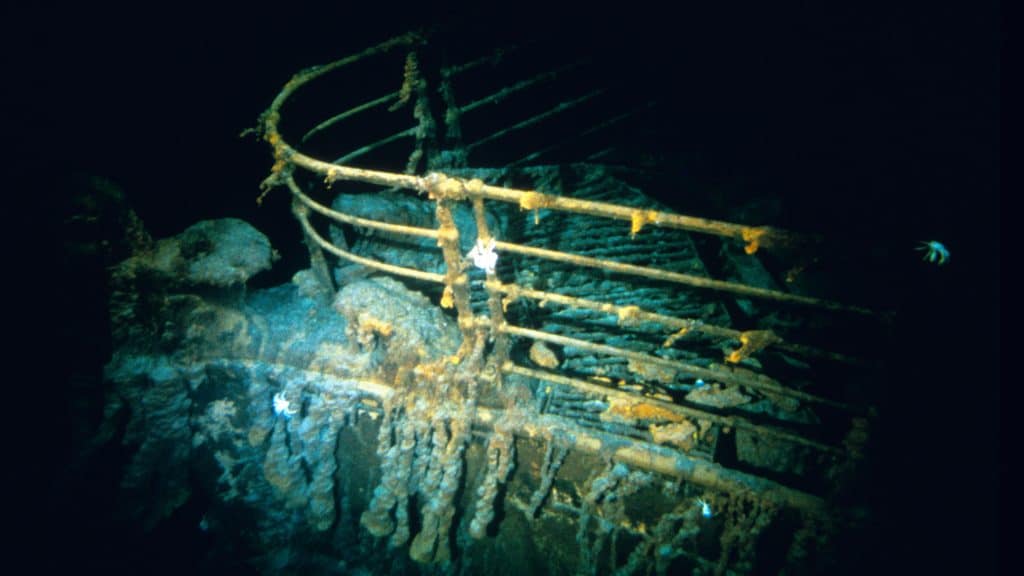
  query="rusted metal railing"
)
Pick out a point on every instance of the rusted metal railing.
point(445, 191)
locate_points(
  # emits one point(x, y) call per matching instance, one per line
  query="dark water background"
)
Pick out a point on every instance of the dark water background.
point(878, 126)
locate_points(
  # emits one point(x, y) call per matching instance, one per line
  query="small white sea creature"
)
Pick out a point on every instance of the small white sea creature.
point(483, 255)
point(935, 252)
point(282, 407)
point(705, 508)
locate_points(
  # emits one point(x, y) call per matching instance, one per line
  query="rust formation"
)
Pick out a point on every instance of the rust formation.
point(665, 421)
point(639, 420)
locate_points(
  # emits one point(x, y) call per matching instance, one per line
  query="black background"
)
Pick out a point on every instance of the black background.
point(879, 123)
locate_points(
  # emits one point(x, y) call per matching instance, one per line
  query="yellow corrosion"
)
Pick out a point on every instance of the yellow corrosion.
point(410, 77)
point(447, 301)
point(753, 237)
point(640, 218)
point(630, 410)
point(659, 396)
point(440, 186)
point(511, 295)
point(280, 163)
point(532, 200)
point(752, 341)
point(375, 326)
point(332, 176)
point(679, 434)
point(652, 372)
point(675, 336)
point(542, 356)
point(628, 315)
point(429, 371)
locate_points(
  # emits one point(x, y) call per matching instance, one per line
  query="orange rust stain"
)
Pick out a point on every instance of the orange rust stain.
point(631, 410)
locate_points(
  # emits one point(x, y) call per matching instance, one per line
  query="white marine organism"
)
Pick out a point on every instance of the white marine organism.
point(935, 252)
point(282, 407)
point(705, 508)
point(483, 255)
